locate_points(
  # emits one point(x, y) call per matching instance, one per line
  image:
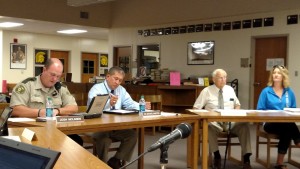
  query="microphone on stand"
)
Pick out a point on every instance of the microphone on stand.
point(182, 131)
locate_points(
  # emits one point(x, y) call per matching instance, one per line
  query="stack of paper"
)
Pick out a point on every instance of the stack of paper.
point(293, 111)
point(232, 112)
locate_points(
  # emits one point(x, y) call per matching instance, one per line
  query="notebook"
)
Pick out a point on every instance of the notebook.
point(95, 108)
point(121, 111)
point(20, 155)
point(3, 120)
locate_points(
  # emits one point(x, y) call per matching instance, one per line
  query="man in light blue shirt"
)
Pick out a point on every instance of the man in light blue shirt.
point(119, 99)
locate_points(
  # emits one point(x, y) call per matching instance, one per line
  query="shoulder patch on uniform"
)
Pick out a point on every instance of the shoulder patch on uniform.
point(20, 89)
point(29, 79)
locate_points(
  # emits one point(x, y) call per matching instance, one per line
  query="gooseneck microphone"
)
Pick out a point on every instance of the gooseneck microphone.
point(182, 131)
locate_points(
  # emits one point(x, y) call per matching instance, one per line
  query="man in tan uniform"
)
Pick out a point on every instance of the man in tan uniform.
point(29, 97)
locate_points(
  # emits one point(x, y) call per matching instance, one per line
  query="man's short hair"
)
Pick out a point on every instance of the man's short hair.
point(115, 69)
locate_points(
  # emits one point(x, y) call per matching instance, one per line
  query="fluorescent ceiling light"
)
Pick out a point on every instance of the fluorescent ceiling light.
point(72, 31)
point(10, 24)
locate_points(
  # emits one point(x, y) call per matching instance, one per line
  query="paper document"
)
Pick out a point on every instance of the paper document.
point(232, 112)
point(198, 110)
point(16, 138)
point(293, 111)
point(20, 119)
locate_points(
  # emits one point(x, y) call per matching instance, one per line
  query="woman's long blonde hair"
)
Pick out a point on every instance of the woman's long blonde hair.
point(285, 76)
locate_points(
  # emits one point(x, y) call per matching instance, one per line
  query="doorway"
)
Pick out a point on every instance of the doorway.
point(89, 66)
point(63, 56)
point(122, 58)
point(149, 57)
point(266, 50)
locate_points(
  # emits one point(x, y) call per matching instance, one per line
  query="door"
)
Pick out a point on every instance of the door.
point(266, 48)
point(122, 58)
point(63, 56)
point(89, 66)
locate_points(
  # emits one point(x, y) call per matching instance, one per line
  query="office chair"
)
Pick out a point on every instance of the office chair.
point(88, 141)
point(271, 141)
point(222, 141)
point(79, 97)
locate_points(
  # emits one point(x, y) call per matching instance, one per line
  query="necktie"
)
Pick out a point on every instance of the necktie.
point(221, 106)
point(220, 100)
point(112, 107)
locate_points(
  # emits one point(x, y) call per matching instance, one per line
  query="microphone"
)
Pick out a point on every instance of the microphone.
point(182, 131)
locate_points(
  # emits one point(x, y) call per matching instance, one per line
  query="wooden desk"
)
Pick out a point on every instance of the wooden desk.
point(72, 155)
point(118, 122)
point(250, 117)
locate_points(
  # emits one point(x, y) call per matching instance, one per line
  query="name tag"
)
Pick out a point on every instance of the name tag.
point(69, 118)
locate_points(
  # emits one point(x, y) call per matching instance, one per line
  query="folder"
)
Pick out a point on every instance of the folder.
point(175, 78)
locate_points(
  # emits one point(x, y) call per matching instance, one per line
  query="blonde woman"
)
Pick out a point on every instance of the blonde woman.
point(276, 96)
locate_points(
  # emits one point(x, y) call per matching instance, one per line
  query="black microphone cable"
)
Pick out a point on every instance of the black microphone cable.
point(134, 159)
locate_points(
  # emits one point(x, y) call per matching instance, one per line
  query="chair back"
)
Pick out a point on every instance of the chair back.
point(82, 108)
point(79, 98)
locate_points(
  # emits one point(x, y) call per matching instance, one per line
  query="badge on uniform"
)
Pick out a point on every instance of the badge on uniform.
point(20, 89)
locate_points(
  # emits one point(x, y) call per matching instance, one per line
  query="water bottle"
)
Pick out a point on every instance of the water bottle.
point(49, 107)
point(142, 104)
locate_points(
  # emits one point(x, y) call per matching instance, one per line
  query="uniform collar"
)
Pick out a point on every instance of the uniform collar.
point(40, 86)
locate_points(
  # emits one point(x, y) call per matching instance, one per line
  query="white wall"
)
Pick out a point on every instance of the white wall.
point(230, 46)
point(74, 45)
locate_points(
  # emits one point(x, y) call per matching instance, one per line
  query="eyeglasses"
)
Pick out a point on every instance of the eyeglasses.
point(221, 78)
point(278, 66)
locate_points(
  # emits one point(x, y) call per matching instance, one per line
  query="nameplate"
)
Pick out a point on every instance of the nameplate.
point(69, 118)
point(29, 135)
point(151, 112)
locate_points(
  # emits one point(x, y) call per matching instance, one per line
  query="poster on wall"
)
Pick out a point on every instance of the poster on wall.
point(103, 60)
point(273, 62)
point(40, 56)
point(18, 56)
point(200, 53)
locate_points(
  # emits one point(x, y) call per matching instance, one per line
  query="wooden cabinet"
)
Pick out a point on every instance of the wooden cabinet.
point(174, 98)
point(136, 90)
point(178, 98)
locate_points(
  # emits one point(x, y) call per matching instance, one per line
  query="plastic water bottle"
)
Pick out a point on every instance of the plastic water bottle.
point(49, 107)
point(142, 104)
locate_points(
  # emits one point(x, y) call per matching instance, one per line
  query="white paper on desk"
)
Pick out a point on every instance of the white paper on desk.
point(16, 138)
point(198, 110)
point(20, 119)
point(269, 111)
point(292, 111)
point(232, 112)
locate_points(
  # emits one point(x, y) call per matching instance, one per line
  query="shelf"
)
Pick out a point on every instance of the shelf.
point(182, 87)
point(176, 105)
point(174, 98)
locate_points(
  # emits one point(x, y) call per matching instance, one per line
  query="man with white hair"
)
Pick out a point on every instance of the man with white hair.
point(221, 96)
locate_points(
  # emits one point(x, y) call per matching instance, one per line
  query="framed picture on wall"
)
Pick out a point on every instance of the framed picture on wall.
point(40, 56)
point(18, 56)
point(200, 53)
point(103, 60)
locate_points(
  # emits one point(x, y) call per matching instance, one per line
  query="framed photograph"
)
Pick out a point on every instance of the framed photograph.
point(18, 56)
point(40, 56)
point(103, 60)
point(200, 53)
